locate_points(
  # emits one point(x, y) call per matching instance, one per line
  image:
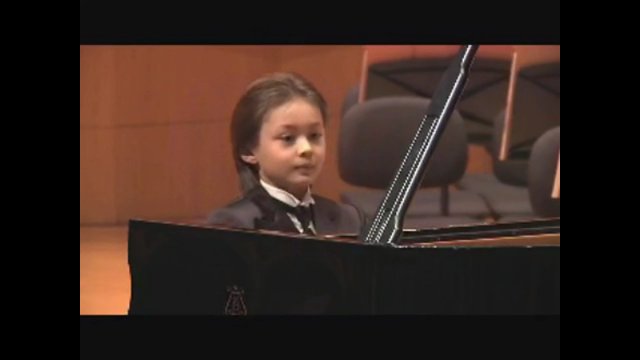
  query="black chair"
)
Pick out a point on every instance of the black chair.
point(374, 137)
point(542, 169)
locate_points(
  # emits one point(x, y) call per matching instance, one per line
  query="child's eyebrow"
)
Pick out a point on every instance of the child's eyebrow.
point(294, 127)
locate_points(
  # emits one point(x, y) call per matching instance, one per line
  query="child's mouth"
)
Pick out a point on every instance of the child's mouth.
point(304, 168)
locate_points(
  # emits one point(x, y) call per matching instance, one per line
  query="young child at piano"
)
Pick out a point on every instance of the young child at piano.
point(278, 144)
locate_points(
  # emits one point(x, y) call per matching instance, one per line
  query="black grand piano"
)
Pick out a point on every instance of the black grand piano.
point(509, 268)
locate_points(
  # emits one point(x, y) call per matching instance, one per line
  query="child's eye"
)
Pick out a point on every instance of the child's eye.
point(315, 136)
point(287, 138)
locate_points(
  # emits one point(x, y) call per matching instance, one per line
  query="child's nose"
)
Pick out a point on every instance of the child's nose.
point(304, 146)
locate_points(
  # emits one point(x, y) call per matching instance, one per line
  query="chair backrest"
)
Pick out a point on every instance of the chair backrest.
point(542, 170)
point(375, 135)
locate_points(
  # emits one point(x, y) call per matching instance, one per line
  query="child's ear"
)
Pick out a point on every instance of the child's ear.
point(249, 159)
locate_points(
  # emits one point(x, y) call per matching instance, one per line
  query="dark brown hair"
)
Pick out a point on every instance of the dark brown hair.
point(262, 96)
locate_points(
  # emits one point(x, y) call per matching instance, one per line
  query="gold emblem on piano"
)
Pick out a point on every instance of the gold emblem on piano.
point(235, 301)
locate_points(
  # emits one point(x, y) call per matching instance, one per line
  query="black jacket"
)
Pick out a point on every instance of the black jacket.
point(258, 210)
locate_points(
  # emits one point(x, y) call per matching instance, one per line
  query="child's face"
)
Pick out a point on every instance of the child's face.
point(291, 146)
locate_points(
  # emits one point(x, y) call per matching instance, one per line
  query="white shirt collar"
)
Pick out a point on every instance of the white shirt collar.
point(286, 197)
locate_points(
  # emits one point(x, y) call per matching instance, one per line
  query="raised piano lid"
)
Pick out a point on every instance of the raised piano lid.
point(539, 232)
point(197, 269)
